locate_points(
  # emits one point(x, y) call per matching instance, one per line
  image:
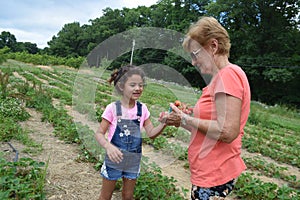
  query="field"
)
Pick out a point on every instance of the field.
point(49, 115)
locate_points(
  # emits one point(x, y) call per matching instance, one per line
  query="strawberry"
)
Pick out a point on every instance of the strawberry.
point(177, 103)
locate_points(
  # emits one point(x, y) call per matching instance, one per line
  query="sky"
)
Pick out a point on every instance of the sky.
point(37, 21)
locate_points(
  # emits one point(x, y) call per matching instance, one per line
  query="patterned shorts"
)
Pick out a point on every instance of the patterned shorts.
point(201, 193)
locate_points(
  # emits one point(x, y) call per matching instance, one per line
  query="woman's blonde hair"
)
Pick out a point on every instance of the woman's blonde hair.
point(207, 28)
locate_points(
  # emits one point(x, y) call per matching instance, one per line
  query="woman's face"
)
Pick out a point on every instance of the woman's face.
point(202, 58)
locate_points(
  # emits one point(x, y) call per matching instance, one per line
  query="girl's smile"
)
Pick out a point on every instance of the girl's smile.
point(133, 88)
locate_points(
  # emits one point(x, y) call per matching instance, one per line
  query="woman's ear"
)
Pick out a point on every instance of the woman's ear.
point(214, 45)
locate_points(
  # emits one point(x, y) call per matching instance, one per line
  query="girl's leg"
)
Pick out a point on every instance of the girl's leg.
point(128, 188)
point(107, 189)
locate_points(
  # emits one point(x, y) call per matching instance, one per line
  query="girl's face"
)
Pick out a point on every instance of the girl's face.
point(133, 87)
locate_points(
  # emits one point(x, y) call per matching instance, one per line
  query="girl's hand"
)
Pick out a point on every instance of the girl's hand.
point(163, 116)
point(114, 154)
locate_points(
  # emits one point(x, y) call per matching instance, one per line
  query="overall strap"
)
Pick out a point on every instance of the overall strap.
point(119, 110)
point(139, 109)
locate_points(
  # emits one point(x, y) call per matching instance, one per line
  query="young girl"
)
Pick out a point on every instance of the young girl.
point(124, 119)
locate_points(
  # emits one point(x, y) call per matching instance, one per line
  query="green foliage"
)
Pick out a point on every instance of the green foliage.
point(44, 59)
point(70, 41)
point(91, 150)
point(170, 131)
point(4, 77)
point(11, 107)
point(63, 123)
point(40, 100)
point(267, 116)
point(271, 63)
point(8, 40)
point(250, 188)
point(271, 170)
point(153, 185)
point(65, 129)
point(3, 52)
point(23, 179)
point(9, 129)
point(64, 95)
point(157, 143)
point(99, 112)
point(280, 149)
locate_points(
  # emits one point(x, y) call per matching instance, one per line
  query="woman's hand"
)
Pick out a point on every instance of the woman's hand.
point(186, 109)
point(174, 118)
point(114, 154)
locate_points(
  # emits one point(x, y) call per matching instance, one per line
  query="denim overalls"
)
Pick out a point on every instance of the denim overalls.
point(127, 137)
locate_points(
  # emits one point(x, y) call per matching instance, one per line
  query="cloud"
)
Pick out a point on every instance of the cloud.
point(40, 39)
point(38, 21)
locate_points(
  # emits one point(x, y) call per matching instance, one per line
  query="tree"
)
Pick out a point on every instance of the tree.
point(28, 47)
point(9, 40)
point(69, 41)
point(265, 42)
point(177, 14)
point(258, 27)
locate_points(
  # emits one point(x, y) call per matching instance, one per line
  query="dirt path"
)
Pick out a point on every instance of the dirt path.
point(66, 178)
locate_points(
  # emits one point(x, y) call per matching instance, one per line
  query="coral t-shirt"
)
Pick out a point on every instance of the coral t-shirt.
point(214, 162)
point(110, 114)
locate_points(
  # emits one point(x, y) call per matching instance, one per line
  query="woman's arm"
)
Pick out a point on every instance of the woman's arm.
point(227, 126)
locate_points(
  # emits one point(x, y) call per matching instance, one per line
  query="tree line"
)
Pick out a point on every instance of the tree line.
point(264, 34)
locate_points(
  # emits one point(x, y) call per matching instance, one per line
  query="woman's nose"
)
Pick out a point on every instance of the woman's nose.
point(193, 62)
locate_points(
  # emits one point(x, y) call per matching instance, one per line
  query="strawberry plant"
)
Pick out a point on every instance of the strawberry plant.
point(23, 179)
point(11, 107)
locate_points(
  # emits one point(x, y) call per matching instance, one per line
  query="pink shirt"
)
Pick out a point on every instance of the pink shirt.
point(110, 114)
point(214, 162)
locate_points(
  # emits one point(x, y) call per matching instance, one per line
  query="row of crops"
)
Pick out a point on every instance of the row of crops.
point(272, 133)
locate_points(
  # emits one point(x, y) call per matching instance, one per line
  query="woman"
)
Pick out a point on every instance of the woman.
point(219, 116)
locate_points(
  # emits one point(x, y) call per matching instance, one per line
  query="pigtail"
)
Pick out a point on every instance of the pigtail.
point(118, 73)
point(113, 76)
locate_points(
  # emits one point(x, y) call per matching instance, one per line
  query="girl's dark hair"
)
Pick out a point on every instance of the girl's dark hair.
point(121, 75)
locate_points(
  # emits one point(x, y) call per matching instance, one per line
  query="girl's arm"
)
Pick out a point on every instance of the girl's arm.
point(152, 131)
point(112, 151)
